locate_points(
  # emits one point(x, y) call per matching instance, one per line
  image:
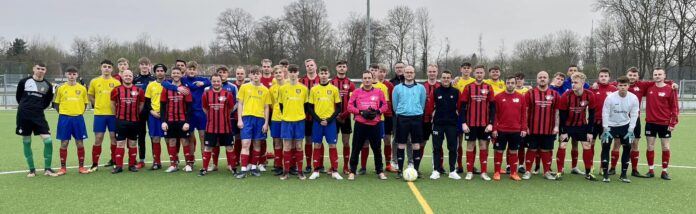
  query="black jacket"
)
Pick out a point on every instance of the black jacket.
point(446, 99)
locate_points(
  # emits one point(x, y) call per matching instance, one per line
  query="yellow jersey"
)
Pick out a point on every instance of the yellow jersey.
point(461, 83)
point(101, 88)
point(254, 99)
point(383, 88)
point(293, 98)
point(275, 92)
point(71, 99)
point(153, 91)
point(523, 90)
point(498, 86)
point(324, 99)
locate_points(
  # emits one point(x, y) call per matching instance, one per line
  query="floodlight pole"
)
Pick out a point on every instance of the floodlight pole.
point(367, 37)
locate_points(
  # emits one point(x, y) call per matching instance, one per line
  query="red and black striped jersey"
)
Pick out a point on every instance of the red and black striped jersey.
point(429, 100)
point(309, 83)
point(541, 110)
point(128, 101)
point(218, 106)
point(578, 107)
point(477, 98)
point(345, 87)
point(176, 105)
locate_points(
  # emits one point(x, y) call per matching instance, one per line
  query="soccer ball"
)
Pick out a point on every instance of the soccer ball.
point(410, 174)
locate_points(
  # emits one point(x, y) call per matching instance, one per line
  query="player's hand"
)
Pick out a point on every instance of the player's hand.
point(185, 127)
point(240, 124)
point(523, 133)
point(606, 136)
point(323, 123)
point(494, 134)
point(183, 90)
point(594, 86)
point(199, 83)
point(264, 128)
point(555, 130)
point(589, 136)
point(155, 114)
point(465, 128)
point(630, 137)
point(671, 128)
point(165, 127)
point(564, 137)
point(489, 128)
point(675, 86)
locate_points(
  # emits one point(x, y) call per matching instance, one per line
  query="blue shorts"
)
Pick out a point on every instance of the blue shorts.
point(154, 127)
point(71, 126)
point(381, 129)
point(328, 131)
point(293, 130)
point(252, 128)
point(198, 120)
point(101, 122)
point(275, 129)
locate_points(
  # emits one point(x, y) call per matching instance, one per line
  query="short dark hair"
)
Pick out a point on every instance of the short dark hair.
point(254, 69)
point(622, 80)
point(604, 70)
point(284, 62)
point(368, 72)
point(519, 75)
point(222, 68)
point(447, 72)
point(215, 75)
point(293, 67)
point(572, 65)
point(510, 77)
point(633, 70)
point(40, 64)
point(160, 65)
point(180, 60)
point(176, 69)
point(71, 69)
point(559, 74)
point(480, 66)
point(495, 67)
point(106, 61)
point(342, 62)
point(374, 65)
point(465, 64)
point(323, 68)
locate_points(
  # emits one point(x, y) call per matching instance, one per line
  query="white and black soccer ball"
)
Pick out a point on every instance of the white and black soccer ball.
point(410, 174)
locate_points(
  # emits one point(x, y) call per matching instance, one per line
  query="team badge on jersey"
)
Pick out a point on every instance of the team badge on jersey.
point(373, 98)
point(484, 91)
point(661, 94)
point(222, 98)
point(549, 97)
point(346, 86)
point(297, 91)
point(515, 100)
point(328, 92)
point(111, 85)
point(439, 97)
point(583, 103)
point(636, 88)
point(260, 93)
point(134, 93)
point(78, 92)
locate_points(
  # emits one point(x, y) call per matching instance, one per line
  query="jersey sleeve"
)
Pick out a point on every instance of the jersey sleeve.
point(91, 90)
point(59, 94)
point(311, 96)
point(163, 96)
point(336, 96)
point(84, 95)
point(148, 91)
point(141, 95)
point(114, 94)
point(674, 106)
point(241, 93)
point(204, 101)
point(267, 97)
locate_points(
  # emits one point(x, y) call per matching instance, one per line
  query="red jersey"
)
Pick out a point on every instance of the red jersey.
point(176, 105)
point(309, 83)
point(477, 99)
point(639, 87)
point(265, 81)
point(390, 89)
point(345, 88)
point(218, 106)
point(118, 77)
point(662, 106)
point(578, 107)
point(541, 110)
point(128, 101)
point(510, 112)
point(429, 100)
point(600, 94)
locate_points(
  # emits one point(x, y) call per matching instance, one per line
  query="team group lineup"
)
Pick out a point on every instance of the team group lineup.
point(466, 113)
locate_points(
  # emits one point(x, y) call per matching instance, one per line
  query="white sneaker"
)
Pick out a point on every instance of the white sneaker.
point(188, 168)
point(172, 169)
point(262, 167)
point(334, 175)
point(314, 175)
point(576, 171)
point(469, 176)
point(526, 175)
point(435, 175)
point(485, 177)
point(454, 175)
point(211, 167)
point(395, 166)
point(549, 176)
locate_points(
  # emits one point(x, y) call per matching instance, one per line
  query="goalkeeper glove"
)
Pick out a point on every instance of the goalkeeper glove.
point(606, 136)
point(630, 137)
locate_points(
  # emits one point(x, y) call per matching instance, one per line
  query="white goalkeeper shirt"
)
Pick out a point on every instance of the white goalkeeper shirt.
point(619, 111)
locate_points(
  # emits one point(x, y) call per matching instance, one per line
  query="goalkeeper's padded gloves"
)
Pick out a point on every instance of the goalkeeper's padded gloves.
point(630, 137)
point(606, 136)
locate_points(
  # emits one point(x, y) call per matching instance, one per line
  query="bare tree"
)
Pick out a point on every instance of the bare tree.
point(270, 38)
point(82, 51)
point(399, 21)
point(425, 28)
point(310, 31)
point(234, 28)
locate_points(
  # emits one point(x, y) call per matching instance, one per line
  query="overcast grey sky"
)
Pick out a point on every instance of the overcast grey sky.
point(460, 20)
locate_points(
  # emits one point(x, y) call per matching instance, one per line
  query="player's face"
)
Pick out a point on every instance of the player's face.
point(432, 73)
point(144, 67)
point(510, 84)
point(623, 88)
point(381, 74)
point(399, 69)
point(603, 77)
point(311, 67)
point(374, 71)
point(216, 82)
point(659, 75)
point(293, 75)
point(466, 71)
point(559, 79)
point(240, 75)
point(106, 69)
point(181, 65)
point(479, 73)
point(342, 69)
point(632, 76)
point(577, 84)
point(159, 73)
point(39, 71)
point(224, 75)
point(572, 70)
point(495, 74)
point(266, 68)
point(520, 82)
point(191, 72)
point(176, 75)
point(324, 76)
point(542, 79)
point(278, 74)
point(122, 66)
point(127, 77)
point(409, 74)
point(367, 80)
point(446, 79)
point(255, 77)
point(72, 76)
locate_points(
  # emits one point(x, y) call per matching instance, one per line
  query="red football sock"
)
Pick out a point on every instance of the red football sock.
point(317, 156)
point(513, 163)
point(96, 152)
point(293, 162)
point(298, 160)
point(460, 154)
point(333, 157)
point(63, 157)
point(364, 153)
point(255, 157)
point(278, 158)
point(321, 155)
point(287, 161)
point(113, 151)
point(346, 156)
point(206, 159)
point(560, 159)
point(262, 155)
point(231, 159)
point(81, 156)
point(497, 161)
point(651, 159)
point(546, 160)
point(171, 150)
point(215, 155)
point(188, 155)
point(587, 157)
point(470, 158)
point(308, 154)
point(614, 159)
point(132, 151)
point(531, 155)
point(156, 151)
point(574, 158)
point(665, 160)
point(483, 160)
point(244, 160)
point(118, 156)
point(521, 155)
point(237, 150)
point(634, 159)
point(388, 152)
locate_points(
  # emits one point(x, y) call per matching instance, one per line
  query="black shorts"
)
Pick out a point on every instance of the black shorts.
point(477, 133)
point(656, 130)
point(175, 130)
point(510, 139)
point(308, 128)
point(525, 142)
point(214, 139)
point(543, 142)
point(577, 133)
point(637, 130)
point(36, 124)
point(126, 130)
point(344, 127)
point(408, 126)
point(597, 130)
point(389, 125)
point(427, 130)
point(619, 132)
